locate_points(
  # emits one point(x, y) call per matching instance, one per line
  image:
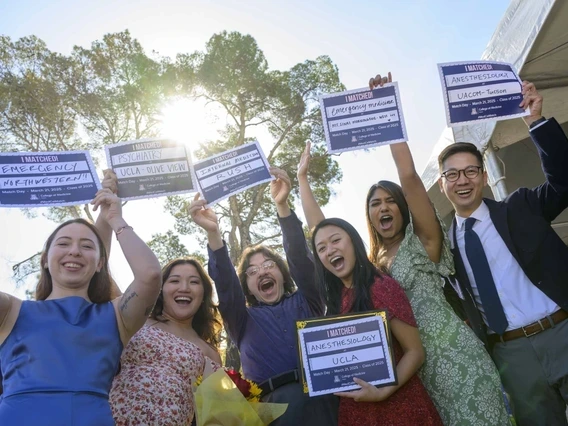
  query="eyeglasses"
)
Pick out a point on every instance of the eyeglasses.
point(253, 270)
point(469, 172)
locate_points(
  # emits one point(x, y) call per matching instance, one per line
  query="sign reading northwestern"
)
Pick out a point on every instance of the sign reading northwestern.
point(47, 179)
point(231, 172)
point(480, 91)
point(148, 168)
point(334, 350)
point(363, 118)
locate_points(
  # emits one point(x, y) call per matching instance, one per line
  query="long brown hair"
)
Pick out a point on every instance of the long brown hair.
point(249, 252)
point(100, 286)
point(377, 249)
point(206, 321)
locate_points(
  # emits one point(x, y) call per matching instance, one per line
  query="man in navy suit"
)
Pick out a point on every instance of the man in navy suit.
point(512, 268)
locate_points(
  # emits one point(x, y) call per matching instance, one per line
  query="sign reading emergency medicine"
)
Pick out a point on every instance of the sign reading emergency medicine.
point(334, 350)
point(47, 179)
point(231, 172)
point(148, 168)
point(480, 91)
point(363, 118)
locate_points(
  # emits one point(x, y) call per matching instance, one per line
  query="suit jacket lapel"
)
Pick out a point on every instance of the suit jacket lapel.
point(498, 213)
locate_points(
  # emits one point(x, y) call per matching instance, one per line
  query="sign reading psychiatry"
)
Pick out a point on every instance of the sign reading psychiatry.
point(480, 91)
point(41, 179)
point(231, 172)
point(148, 168)
point(334, 350)
point(363, 118)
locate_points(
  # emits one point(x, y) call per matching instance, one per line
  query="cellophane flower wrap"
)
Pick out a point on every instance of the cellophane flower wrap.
point(219, 402)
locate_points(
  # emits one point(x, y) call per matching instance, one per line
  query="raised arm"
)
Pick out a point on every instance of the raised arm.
point(109, 181)
point(298, 255)
point(312, 210)
point(232, 303)
point(134, 306)
point(551, 198)
point(426, 225)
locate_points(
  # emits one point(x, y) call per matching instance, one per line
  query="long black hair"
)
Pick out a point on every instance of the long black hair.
point(377, 250)
point(364, 273)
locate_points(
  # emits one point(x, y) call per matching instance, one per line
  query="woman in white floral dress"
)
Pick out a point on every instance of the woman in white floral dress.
point(159, 364)
point(409, 242)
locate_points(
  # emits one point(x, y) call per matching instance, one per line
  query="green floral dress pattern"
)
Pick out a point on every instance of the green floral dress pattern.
point(458, 373)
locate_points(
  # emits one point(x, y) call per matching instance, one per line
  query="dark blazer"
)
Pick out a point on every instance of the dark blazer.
point(524, 219)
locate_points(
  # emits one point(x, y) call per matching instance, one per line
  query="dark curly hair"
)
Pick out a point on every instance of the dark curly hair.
point(289, 286)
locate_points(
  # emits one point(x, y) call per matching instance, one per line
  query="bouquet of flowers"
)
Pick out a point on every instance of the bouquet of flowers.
point(225, 398)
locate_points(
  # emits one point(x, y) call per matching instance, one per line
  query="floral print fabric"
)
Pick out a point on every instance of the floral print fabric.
point(154, 386)
point(458, 372)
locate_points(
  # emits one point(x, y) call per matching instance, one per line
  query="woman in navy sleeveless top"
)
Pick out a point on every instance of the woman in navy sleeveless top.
point(59, 354)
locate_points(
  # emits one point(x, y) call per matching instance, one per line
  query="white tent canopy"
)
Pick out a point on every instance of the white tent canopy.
point(533, 36)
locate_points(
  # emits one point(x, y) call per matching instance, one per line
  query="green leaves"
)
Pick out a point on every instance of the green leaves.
point(114, 91)
point(168, 247)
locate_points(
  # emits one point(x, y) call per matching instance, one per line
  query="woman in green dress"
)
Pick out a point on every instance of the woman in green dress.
point(408, 240)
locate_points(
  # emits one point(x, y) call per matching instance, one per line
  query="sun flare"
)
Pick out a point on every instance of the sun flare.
point(189, 121)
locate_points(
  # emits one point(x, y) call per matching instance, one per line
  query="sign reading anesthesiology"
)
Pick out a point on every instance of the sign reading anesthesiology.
point(47, 179)
point(148, 168)
point(480, 91)
point(231, 172)
point(334, 350)
point(363, 118)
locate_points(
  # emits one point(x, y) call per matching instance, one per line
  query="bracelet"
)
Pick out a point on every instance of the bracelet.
point(122, 228)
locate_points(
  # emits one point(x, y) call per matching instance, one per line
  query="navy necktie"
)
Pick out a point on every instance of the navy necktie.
point(484, 280)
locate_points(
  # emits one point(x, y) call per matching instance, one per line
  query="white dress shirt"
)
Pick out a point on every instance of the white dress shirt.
point(522, 301)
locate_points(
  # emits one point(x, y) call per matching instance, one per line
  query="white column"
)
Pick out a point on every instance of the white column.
point(495, 172)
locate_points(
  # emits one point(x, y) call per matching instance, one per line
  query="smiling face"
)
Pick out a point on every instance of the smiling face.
point(336, 252)
point(465, 194)
point(182, 292)
point(264, 279)
point(74, 256)
point(385, 215)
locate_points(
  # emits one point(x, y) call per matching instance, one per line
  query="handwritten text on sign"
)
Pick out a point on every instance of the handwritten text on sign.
point(480, 91)
point(335, 353)
point(151, 168)
point(362, 118)
point(47, 179)
point(231, 172)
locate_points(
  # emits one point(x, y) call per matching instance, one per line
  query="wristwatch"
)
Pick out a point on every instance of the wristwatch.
point(537, 122)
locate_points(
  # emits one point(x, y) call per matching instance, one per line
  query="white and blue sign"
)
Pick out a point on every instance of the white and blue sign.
point(149, 168)
point(47, 179)
point(333, 353)
point(231, 172)
point(363, 118)
point(480, 91)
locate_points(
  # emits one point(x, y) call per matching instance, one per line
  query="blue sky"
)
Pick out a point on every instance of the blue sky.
point(406, 37)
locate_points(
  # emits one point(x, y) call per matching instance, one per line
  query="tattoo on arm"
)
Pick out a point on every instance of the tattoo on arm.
point(126, 297)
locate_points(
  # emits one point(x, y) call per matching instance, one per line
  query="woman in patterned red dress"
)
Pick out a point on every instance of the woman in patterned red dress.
point(352, 284)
